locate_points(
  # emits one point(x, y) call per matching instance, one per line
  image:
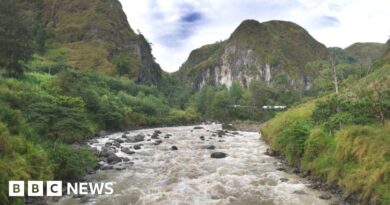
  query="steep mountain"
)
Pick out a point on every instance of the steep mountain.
point(365, 52)
point(275, 52)
point(93, 33)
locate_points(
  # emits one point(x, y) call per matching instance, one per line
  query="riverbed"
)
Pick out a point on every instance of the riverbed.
point(173, 165)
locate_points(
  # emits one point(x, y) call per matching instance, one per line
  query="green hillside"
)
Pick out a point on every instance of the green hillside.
point(344, 139)
point(69, 71)
point(365, 52)
point(92, 35)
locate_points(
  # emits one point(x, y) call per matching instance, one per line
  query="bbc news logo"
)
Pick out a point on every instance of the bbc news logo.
point(54, 188)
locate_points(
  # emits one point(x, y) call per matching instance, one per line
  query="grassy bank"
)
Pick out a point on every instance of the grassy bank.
point(41, 115)
point(355, 157)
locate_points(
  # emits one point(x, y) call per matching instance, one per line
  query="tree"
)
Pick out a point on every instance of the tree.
point(220, 105)
point(204, 99)
point(334, 73)
point(16, 39)
point(262, 94)
point(127, 65)
point(235, 93)
point(381, 102)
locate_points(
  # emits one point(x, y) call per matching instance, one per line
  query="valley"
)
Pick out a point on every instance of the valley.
point(82, 98)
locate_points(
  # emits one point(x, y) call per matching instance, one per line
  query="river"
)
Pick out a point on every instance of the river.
point(156, 174)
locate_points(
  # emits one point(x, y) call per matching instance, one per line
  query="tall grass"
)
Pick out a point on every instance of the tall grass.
point(357, 158)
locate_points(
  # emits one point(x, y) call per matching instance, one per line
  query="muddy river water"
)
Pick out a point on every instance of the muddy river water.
point(159, 174)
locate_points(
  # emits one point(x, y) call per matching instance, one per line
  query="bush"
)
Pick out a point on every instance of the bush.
point(292, 140)
point(335, 112)
point(317, 143)
point(58, 122)
point(71, 164)
point(20, 159)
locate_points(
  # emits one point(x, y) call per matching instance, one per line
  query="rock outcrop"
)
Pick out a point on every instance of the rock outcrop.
point(275, 52)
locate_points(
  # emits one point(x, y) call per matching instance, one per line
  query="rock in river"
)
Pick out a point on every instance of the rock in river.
point(136, 138)
point(155, 136)
point(112, 159)
point(136, 147)
point(127, 150)
point(105, 152)
point(218, 155)
point(174, 147)
point(118, 140)
point(157, 142)
point(208, 147)
point(325, 196)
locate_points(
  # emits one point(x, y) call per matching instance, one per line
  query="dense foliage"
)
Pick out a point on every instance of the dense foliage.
point(342, 138)
point(40, 114)
point(16, 38)
point(60, 85)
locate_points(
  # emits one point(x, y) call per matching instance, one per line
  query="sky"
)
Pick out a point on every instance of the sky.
point(176, 27)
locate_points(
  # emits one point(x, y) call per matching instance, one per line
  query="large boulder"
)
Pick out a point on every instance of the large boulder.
point(174, 147)
point(116, 144)
point(106, 152)
point(127, 150)
point(218, 155)
point(118, 140)
point(136, 138)
point(155, 136)
point(113, 159)
point(136, 147)
point(157, 142)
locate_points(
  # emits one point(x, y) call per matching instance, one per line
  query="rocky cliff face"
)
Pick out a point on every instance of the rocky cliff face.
point(275, 52)
point(93, 33)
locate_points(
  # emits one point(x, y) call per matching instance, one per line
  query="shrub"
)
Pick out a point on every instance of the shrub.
point(71, 164)
point(292, 140)
point(20, 159)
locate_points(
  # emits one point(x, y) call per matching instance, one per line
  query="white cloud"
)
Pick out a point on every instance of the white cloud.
point(175, 27)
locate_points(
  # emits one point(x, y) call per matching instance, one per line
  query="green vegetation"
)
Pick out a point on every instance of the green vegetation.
point(342, 138)
point(365, 53)
point(64, 76)
point(40, 114)
point(16, 39)
point(84, 30)
point(235, 103)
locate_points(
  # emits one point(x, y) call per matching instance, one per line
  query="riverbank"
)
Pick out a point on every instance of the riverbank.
point(182, 168)
point(350, 162)
point(332, 192)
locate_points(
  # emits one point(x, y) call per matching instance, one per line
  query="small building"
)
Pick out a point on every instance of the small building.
point(274, 107)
